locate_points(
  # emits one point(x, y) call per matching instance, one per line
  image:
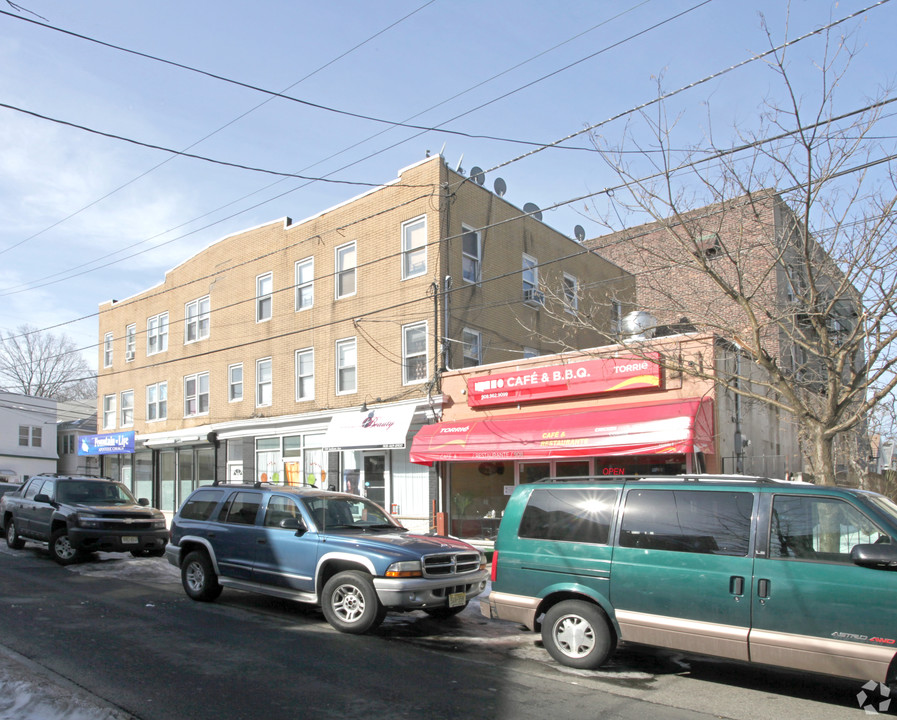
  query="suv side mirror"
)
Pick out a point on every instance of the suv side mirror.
point(144, 502)
point(882, 556)
point(42, 498)
point(293, 523)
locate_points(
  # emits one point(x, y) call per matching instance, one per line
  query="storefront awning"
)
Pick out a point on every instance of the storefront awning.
point(659, 429)
point(371, 429)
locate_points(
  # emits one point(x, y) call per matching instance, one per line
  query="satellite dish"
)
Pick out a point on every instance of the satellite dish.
point(533, 209)
point(477, 175)
point(579, 233)
point(500, 187)
point(459, 169)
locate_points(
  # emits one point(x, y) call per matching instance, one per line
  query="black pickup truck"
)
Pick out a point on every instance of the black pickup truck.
point(76, 515)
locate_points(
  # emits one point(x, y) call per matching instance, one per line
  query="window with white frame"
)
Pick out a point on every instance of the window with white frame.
point(571, 293)
point(531, 293)
point(264, 297)
point(130, 343)
point(264, 385)
point(107, 349)
point(108, 412)
point(196, 394)
point(305, 288)
point(472, 344)
point(235, 382)
point(345, 270)
point(157, 334)
point(157, 401)
point(471, 256)
point(414, 247)
point(196, 320)
point(346, 366)
point(414, 353)
point(305, 374)
point(127, 408)
point(30, 435)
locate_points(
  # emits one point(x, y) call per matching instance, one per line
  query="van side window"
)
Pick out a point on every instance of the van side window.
point(696, 521)
point(818, 528)
point(241, 508)
point(569, 515)
point(201, 504)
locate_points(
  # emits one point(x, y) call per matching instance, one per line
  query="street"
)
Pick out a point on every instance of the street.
point(117, 638)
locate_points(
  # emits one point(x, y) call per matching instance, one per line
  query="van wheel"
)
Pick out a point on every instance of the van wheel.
point(198, 577)
point(577, 634)
point(12, 537)
point(350, 603)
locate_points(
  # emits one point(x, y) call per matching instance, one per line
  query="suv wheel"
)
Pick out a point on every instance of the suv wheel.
point(577, 634)
point(12, 537)
point(61, 548)
point(198, 577)
point(350, 603)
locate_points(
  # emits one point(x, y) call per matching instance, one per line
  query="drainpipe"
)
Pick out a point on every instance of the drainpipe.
point(739, 437)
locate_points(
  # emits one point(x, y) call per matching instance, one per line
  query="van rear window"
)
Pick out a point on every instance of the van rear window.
point(569, 515)
point(696, 521)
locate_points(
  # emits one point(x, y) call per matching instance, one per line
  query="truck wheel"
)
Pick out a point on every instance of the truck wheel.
point(61, 548)
point(12, 537)
point(577, 634)
point(350, 603)
point(198, 577)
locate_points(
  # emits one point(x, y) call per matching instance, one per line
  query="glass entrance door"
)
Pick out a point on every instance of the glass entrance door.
point(374, 478)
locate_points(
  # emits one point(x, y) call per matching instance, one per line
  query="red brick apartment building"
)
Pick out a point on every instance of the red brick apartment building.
point(312, 351)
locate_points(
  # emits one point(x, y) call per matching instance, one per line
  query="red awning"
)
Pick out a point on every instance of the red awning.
point(660, 429)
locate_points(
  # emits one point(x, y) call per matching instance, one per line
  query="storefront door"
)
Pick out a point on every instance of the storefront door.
point(374, 478)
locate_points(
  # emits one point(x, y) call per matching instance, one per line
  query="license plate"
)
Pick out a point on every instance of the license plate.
point(457, 599)
point(129, 540)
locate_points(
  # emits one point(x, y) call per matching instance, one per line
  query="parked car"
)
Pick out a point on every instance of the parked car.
point(336, 550)
point(77, 515)
point(780, 573)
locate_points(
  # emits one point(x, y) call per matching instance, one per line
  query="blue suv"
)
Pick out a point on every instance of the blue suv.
point(335, 550)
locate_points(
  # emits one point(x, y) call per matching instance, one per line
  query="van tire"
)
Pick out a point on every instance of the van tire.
point(577, 634)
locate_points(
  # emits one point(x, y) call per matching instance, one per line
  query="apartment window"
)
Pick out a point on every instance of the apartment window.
point(414, 353)
point(472, 343)
point(471, 256)
point(157, 334)
point(196, 394)
point(571, 293)
point(130, 343)
point(108, 412)
point(305, 374)
point(305, 289)
point(531, 293)
point(157, 401)
point(264, 387)
point(127, 408)
point(107, 350)
point(414, 248)
point(345, 270)
point(346, 366)
point(264, 297)
point(235, 382)
point(196, 320)
point(30, 435)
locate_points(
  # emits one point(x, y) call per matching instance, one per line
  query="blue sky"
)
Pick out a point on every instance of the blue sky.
point(73, 203)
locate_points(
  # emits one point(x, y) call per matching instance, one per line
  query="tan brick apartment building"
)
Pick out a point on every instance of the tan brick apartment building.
point(312, 351)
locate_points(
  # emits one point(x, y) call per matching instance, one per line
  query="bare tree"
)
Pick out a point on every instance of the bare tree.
point(41, 364)
point(783, 246)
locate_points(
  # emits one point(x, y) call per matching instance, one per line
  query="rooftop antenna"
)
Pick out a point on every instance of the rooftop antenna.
point(459, 169)
point(442, 152)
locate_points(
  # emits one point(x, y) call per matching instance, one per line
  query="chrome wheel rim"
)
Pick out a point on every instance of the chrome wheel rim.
point(195, 577)
point(63, 548)
point(573, 636)
point(347, 602)
point(10, 533)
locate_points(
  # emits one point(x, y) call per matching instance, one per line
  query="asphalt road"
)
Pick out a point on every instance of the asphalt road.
point(120, 634)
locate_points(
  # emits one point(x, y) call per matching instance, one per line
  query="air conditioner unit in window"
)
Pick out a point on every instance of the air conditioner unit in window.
point(533, 296)
point(129, 355)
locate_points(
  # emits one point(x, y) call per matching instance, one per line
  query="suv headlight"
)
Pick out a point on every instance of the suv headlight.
point(87, 520)
point(407, 569)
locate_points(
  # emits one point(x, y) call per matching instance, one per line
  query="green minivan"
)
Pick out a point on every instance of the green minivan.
point(789, 574)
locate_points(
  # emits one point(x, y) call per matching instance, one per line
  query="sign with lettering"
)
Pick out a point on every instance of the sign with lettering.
point(106, 444)
point(588, 377)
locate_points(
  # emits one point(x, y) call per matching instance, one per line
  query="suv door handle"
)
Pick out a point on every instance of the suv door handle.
point(763, 588)
point(261, 541)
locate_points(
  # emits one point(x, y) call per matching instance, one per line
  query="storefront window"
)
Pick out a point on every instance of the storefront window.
point(316, 462)
point(479, 494)
point(268, 460)
point(167, 478)
point(533, 472)
point(185, 474)
point(143, 475)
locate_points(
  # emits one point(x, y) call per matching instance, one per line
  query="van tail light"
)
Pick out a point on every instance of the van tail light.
point(494, 571)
